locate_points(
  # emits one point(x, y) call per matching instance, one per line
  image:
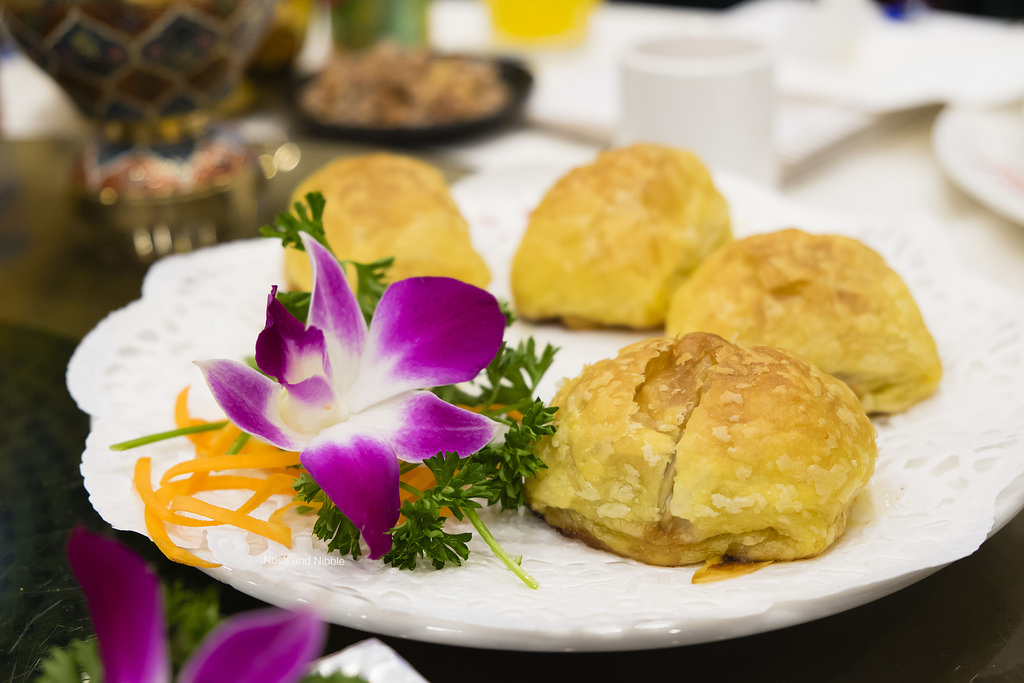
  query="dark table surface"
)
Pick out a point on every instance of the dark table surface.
point(963, 623)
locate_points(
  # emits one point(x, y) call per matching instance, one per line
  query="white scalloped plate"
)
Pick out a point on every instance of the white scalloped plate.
point(982, 151)
point(940, 487)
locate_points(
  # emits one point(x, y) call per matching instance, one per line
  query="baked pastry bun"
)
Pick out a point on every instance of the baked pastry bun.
point(831, 299)
point(687, 449)
point(381, 205)
point(611, 240)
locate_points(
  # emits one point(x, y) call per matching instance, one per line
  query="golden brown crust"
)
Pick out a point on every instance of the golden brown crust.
point(829, 298)
point(680, 450)
point(611, 240)
point(381, 205)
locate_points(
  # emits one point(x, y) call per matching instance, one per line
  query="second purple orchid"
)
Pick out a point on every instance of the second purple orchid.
point(351, 398)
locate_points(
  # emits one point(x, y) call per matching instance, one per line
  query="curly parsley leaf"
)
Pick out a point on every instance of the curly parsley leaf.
point(305, 218)
point(508, 384)
point(371, 281)
point(495, 475)
point(191, 615)
point(78, 661)
point(505, 391)
point(331, 524)
point(371, 278)
point(508, 465)
point(296, 303)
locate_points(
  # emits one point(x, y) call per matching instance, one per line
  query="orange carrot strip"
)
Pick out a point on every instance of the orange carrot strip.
point(152, 503)
point(277, 515)
point(275, 532)
point(421, 478)
point(221, 482)
point(514, 414)
point(158, 533)
point(231, 462)
point(256, 447)
point(165, 493)
point(181, 416)
point(183, 419)
point(275, 483)
point(195, 483)
point(222, 440)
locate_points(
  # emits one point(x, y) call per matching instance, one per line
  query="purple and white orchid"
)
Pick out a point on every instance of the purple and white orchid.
point(350, 397)
point(126, 605)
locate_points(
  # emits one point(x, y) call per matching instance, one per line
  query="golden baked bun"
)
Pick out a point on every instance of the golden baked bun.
point(381, 205)
point(610, 241)
point(831, 299)
point(687, 449)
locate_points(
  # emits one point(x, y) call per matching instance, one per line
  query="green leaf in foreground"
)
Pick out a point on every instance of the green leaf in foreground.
point(331, 523)
point(509, 383)
point(191, 615)
point(78, 661)
point(304, 218)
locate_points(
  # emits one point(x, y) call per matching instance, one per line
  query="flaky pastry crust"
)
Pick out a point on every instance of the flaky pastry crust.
point(610, 241)
point(830, 298)
point(381, 205)
point(682, 450)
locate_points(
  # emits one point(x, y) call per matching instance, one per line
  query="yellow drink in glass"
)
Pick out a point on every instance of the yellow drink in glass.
point(541, 23)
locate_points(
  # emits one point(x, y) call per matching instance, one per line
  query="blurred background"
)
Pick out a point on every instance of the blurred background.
point(134, 130)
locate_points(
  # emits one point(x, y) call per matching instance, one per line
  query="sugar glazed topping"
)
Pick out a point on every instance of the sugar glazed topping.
point(684, 450)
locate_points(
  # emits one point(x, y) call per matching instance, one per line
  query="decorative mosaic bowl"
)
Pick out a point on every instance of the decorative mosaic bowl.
point(156, 177)
point(141, 60)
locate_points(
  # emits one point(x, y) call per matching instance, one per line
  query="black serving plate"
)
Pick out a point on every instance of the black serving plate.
point(513, 72)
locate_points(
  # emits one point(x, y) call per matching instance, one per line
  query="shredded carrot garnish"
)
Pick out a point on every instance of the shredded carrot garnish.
point(231, 462)
point(158, 533)
point(211, 470)
point(514, 414)
point(175, 502)
point(222, 439)
point(277, 515)
point(275, 532)
point(275, 484)
point(183, 419)
point(143, 484)
point(420, 478)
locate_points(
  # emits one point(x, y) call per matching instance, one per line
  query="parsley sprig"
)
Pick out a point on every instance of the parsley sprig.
point(305, 218)
point(495, 475)
point(507, 385)
point(505, 390)
point(309, 218)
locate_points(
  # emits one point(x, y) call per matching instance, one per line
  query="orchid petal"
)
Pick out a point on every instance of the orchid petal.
point(358, 470)
point(126, 608)
point(265, 646)
point(251, 401)
point(288, 351)
point(426, 332)
point(420, 425)
point(334, 310)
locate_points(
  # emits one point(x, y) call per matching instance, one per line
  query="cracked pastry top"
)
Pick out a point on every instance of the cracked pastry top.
point(611, 240)
point(682, 450)
point(381, 205)
point(830, 298)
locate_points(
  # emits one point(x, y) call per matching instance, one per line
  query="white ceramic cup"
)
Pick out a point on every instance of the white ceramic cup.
point(711, 94)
